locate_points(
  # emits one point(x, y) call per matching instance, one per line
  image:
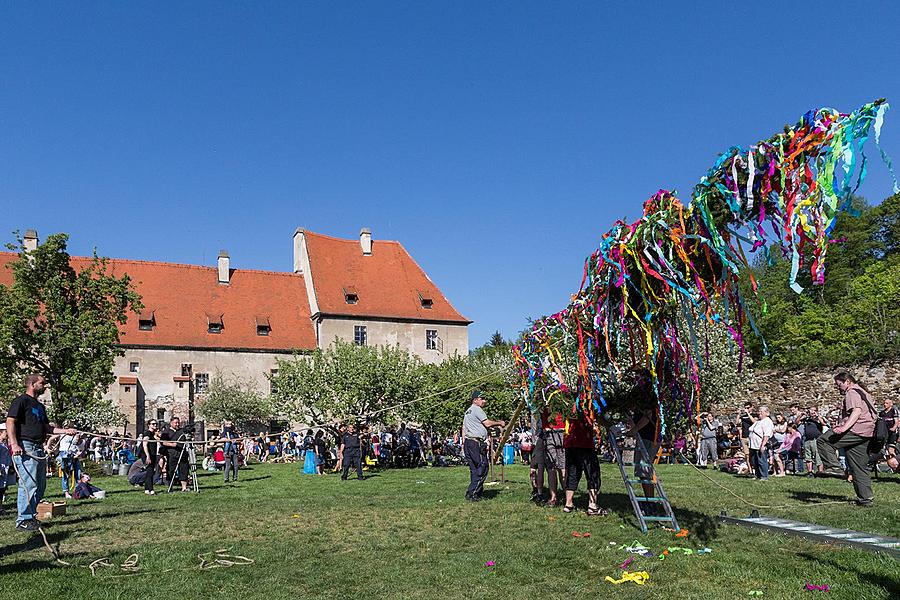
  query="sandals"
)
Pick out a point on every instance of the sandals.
point(568, 509)
point(597, 512)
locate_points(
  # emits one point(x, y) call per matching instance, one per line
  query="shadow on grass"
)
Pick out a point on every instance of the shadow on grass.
point(85, 518)
point(804, 496)
point(702, 526)
point(887, 583)
point(34, 542)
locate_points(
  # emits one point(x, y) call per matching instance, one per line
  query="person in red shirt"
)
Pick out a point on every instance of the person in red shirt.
point(581, 457)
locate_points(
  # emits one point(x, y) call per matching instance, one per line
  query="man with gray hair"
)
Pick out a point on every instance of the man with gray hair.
point(475, 432)
point(761, 432)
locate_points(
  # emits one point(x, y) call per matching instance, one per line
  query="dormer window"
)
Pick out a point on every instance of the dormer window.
point(263, 327)
point(351, 296)
point(214, 323)
point(426, 300)
point(147, 320)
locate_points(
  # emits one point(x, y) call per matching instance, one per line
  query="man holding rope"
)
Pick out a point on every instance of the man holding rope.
point(28, 427)
point(475, 432)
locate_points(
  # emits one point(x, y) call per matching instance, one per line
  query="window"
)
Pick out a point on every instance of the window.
point(359, 335)
point(160, 414)
point(273, 373)
point(262, 326)
point(431, 339)
point(186, 369)
point(214, 323)
point(134, 367)
point(127, 388)
point(147, 320)
point(201, 383)
point(351, 296)
point(426, 300)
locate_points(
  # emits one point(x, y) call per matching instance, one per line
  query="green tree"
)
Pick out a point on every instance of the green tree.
point(488, 369)
point(231, 397)
point(63, 323)
point(346, 382)
point(497, 340)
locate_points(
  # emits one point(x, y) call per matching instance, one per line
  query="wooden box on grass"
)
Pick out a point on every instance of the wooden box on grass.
point(48, 510)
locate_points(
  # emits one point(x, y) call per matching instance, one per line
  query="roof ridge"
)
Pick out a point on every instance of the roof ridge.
point(351, 240)
point(173, 264)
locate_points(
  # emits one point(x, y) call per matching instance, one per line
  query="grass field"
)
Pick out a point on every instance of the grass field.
point(410, 534)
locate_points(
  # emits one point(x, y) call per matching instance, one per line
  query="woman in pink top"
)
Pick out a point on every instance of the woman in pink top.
point(789, 451)
point(855, 428)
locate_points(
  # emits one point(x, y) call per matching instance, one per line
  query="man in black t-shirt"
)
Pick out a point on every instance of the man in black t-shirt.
point(28, 427)
point(351, 452)
point(176, 460)
point(746, 418)
point(813, 426)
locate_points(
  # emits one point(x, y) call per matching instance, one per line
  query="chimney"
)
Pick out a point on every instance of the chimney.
point(365, 241)
point(299, 238)
point(30, 240)
point(224, 267)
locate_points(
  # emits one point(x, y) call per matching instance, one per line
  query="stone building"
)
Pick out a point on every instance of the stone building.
point(199, 320)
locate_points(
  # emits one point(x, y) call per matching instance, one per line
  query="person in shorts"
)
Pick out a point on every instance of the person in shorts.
point(581, 457)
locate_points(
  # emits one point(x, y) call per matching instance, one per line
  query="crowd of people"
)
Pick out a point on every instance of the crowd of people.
point(836, 441)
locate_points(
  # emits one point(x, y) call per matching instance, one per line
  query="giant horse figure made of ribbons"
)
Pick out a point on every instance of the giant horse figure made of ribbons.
point(649, 285)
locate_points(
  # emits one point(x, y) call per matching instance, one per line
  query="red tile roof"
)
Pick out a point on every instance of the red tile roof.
point(180, 298)
point(388, 283)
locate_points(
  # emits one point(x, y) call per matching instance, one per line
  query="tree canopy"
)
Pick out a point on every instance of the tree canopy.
point(63, 323)
point(231, 397)
point(855, 315)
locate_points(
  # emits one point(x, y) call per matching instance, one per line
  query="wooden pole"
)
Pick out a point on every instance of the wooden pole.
point(508, 430)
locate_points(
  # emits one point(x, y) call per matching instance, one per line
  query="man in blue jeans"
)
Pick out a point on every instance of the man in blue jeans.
point(28, 428)
point(475, 432)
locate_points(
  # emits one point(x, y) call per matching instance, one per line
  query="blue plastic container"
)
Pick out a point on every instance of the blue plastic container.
point(309, 463)
point(509, 454)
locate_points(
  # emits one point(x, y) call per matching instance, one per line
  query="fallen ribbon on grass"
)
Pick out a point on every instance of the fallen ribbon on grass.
point(489, 563)
point(681, 534)
point(637, 577)
point(625, 564)
point(812, 587)
point(586, 534)
point(704, 550)
point(755, 593)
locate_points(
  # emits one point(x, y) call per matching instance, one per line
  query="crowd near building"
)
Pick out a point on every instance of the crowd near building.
point(200, 320)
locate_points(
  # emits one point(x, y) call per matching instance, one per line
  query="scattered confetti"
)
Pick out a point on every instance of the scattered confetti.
point(627, 562)
point(489, 563)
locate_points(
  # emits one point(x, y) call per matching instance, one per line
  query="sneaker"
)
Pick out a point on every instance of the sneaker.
point(68, 496)
point(865, 503)
point(31, 525)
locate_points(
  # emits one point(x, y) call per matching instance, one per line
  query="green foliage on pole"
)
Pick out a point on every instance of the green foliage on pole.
point(63, 323)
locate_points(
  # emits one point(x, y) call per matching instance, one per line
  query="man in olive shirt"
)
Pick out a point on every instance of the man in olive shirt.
point(475, 432)
point(28, 428)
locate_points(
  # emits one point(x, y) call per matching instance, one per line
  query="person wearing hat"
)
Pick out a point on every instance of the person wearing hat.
point(475, 432)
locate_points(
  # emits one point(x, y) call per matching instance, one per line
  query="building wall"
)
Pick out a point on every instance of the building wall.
point(408, 335)
point(159, 372)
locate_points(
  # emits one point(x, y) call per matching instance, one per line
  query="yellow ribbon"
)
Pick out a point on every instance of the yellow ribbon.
point(638, 577)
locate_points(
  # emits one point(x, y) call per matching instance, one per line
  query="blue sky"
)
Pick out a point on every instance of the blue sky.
point(497, 141)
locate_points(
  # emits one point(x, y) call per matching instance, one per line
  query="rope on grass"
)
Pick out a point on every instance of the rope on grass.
point(754, 505)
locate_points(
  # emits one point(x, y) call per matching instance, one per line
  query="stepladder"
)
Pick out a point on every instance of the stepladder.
point(645, 478)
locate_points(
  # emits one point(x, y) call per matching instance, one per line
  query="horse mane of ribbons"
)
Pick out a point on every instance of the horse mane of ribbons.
point(651, 283)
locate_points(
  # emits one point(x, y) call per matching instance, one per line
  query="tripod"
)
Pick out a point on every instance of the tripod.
point(192, 466)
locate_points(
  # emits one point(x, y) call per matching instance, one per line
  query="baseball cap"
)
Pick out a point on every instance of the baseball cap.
point(477, 394)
